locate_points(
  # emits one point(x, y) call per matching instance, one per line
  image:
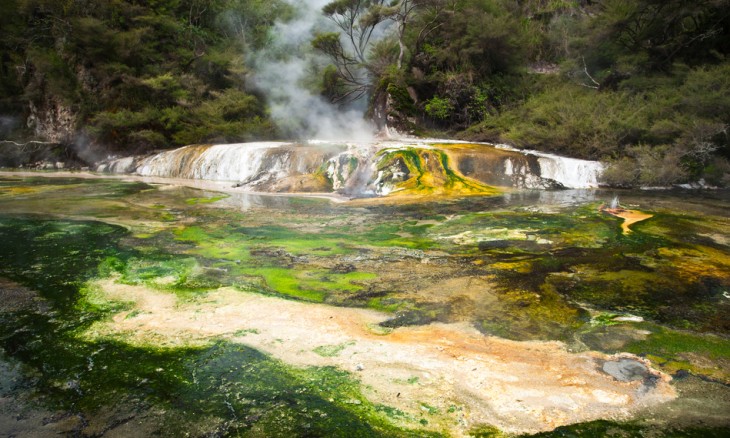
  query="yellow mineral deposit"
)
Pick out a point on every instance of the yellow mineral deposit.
point(630, 217)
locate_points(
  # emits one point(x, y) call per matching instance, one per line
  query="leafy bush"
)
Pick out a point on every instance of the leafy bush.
point(439, 108)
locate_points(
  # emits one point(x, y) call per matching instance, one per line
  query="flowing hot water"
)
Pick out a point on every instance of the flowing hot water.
point(355, 169)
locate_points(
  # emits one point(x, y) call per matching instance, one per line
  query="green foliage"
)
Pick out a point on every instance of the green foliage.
point(647, 166)
point(652, 129)
point(655, 34)
point(466, 63)
point(439, 108)
point(138, 75)
point(249, 21)
point(230, 116)
point(355, 62)
point(568, 116)
point(329, 43)
point(338, 7)
point(52, 75)
point(483, 38)
point(332, 83)
point(402, 100)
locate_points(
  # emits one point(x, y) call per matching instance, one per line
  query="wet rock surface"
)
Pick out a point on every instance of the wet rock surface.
point(626, 370)
point(409, 318)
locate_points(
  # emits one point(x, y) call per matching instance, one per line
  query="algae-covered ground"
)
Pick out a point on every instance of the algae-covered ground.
point(523, 266)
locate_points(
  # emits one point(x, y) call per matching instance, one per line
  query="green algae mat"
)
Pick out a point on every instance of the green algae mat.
point(523, 266)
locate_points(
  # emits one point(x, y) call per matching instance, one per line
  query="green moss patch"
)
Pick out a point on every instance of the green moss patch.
point(332, 350)
point(673, 350)
point(205, 200)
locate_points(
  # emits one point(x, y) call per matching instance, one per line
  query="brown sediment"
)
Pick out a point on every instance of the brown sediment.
point(519, 387)
point(15, 297)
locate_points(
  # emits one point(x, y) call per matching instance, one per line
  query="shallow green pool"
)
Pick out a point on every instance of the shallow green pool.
point(524, 266)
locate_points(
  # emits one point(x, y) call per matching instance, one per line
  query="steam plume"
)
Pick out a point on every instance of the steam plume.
point(282, 70)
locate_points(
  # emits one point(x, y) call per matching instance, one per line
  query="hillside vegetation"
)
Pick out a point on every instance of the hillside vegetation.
point(133, 75)
point(642, 84)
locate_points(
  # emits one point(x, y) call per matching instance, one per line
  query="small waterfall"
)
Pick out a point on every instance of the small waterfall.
point(570, 172)
point(231, 162)
point(357, 169)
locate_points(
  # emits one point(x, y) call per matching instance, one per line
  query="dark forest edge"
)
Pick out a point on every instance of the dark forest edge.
point(642, 85)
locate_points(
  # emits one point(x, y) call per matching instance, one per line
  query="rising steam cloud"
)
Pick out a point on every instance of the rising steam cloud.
point(282, 70)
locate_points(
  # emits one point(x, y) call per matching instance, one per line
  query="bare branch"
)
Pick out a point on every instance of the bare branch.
point(27, 143)
point(24, 146)
point(585, 70)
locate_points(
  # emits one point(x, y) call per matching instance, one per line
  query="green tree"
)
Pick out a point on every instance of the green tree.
point(350, 49)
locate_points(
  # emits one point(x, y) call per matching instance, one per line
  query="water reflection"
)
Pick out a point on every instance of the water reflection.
point(248, 201)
